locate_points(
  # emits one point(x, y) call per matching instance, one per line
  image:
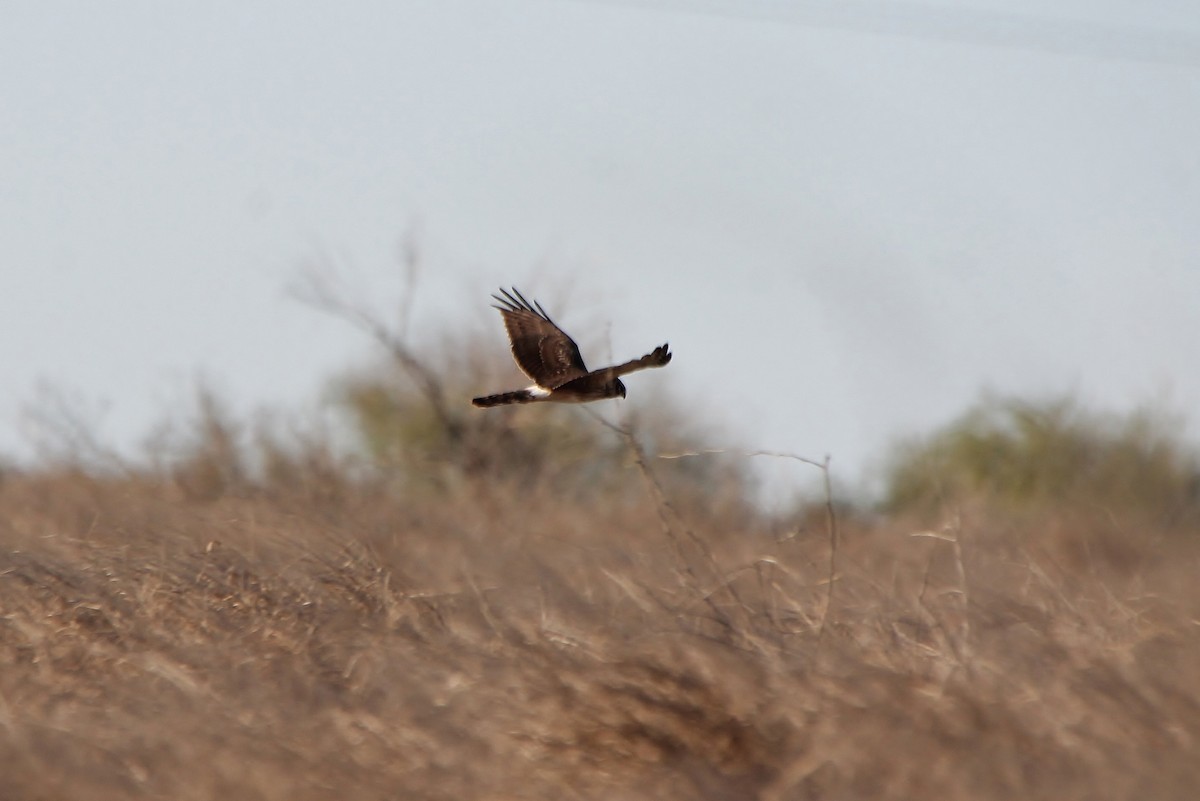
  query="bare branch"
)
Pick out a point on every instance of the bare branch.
point(316, 288)
point(831, 522)
point(63, 430)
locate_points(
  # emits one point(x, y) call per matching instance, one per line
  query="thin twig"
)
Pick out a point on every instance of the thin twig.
point(831, 522)
point(665, 512)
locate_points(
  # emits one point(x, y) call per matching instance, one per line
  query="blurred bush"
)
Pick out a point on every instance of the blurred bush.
point(434, 442)
point(1040, 453)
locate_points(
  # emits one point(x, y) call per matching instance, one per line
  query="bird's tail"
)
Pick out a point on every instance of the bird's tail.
point(519, 396)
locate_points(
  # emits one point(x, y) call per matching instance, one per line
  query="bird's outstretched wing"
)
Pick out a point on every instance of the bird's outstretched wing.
point(541, 349)
point(656, 358)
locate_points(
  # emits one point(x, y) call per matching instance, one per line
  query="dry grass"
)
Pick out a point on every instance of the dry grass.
point(339, 642)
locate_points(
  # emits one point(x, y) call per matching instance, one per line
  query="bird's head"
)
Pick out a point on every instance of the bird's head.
point(616, 389)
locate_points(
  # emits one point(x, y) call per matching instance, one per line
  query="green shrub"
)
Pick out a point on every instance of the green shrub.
point(1025, 453)
point(435, 443)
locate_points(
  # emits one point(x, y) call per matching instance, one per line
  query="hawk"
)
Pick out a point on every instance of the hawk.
point(546, 354)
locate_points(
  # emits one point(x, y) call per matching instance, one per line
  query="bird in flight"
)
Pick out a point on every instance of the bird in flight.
point(546, 354)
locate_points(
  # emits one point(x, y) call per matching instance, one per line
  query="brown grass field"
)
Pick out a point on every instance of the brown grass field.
point(318, 638)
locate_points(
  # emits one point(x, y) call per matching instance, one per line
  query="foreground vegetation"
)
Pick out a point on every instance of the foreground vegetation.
point(317, 632)
point(529, 604)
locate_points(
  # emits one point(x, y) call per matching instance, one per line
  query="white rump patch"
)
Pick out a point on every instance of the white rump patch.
point(538, 391)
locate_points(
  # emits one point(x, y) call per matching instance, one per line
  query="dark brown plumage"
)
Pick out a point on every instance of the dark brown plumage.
point(546, 354)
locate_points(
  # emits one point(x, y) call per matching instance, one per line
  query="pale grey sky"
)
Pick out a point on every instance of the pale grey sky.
point(845, 225)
